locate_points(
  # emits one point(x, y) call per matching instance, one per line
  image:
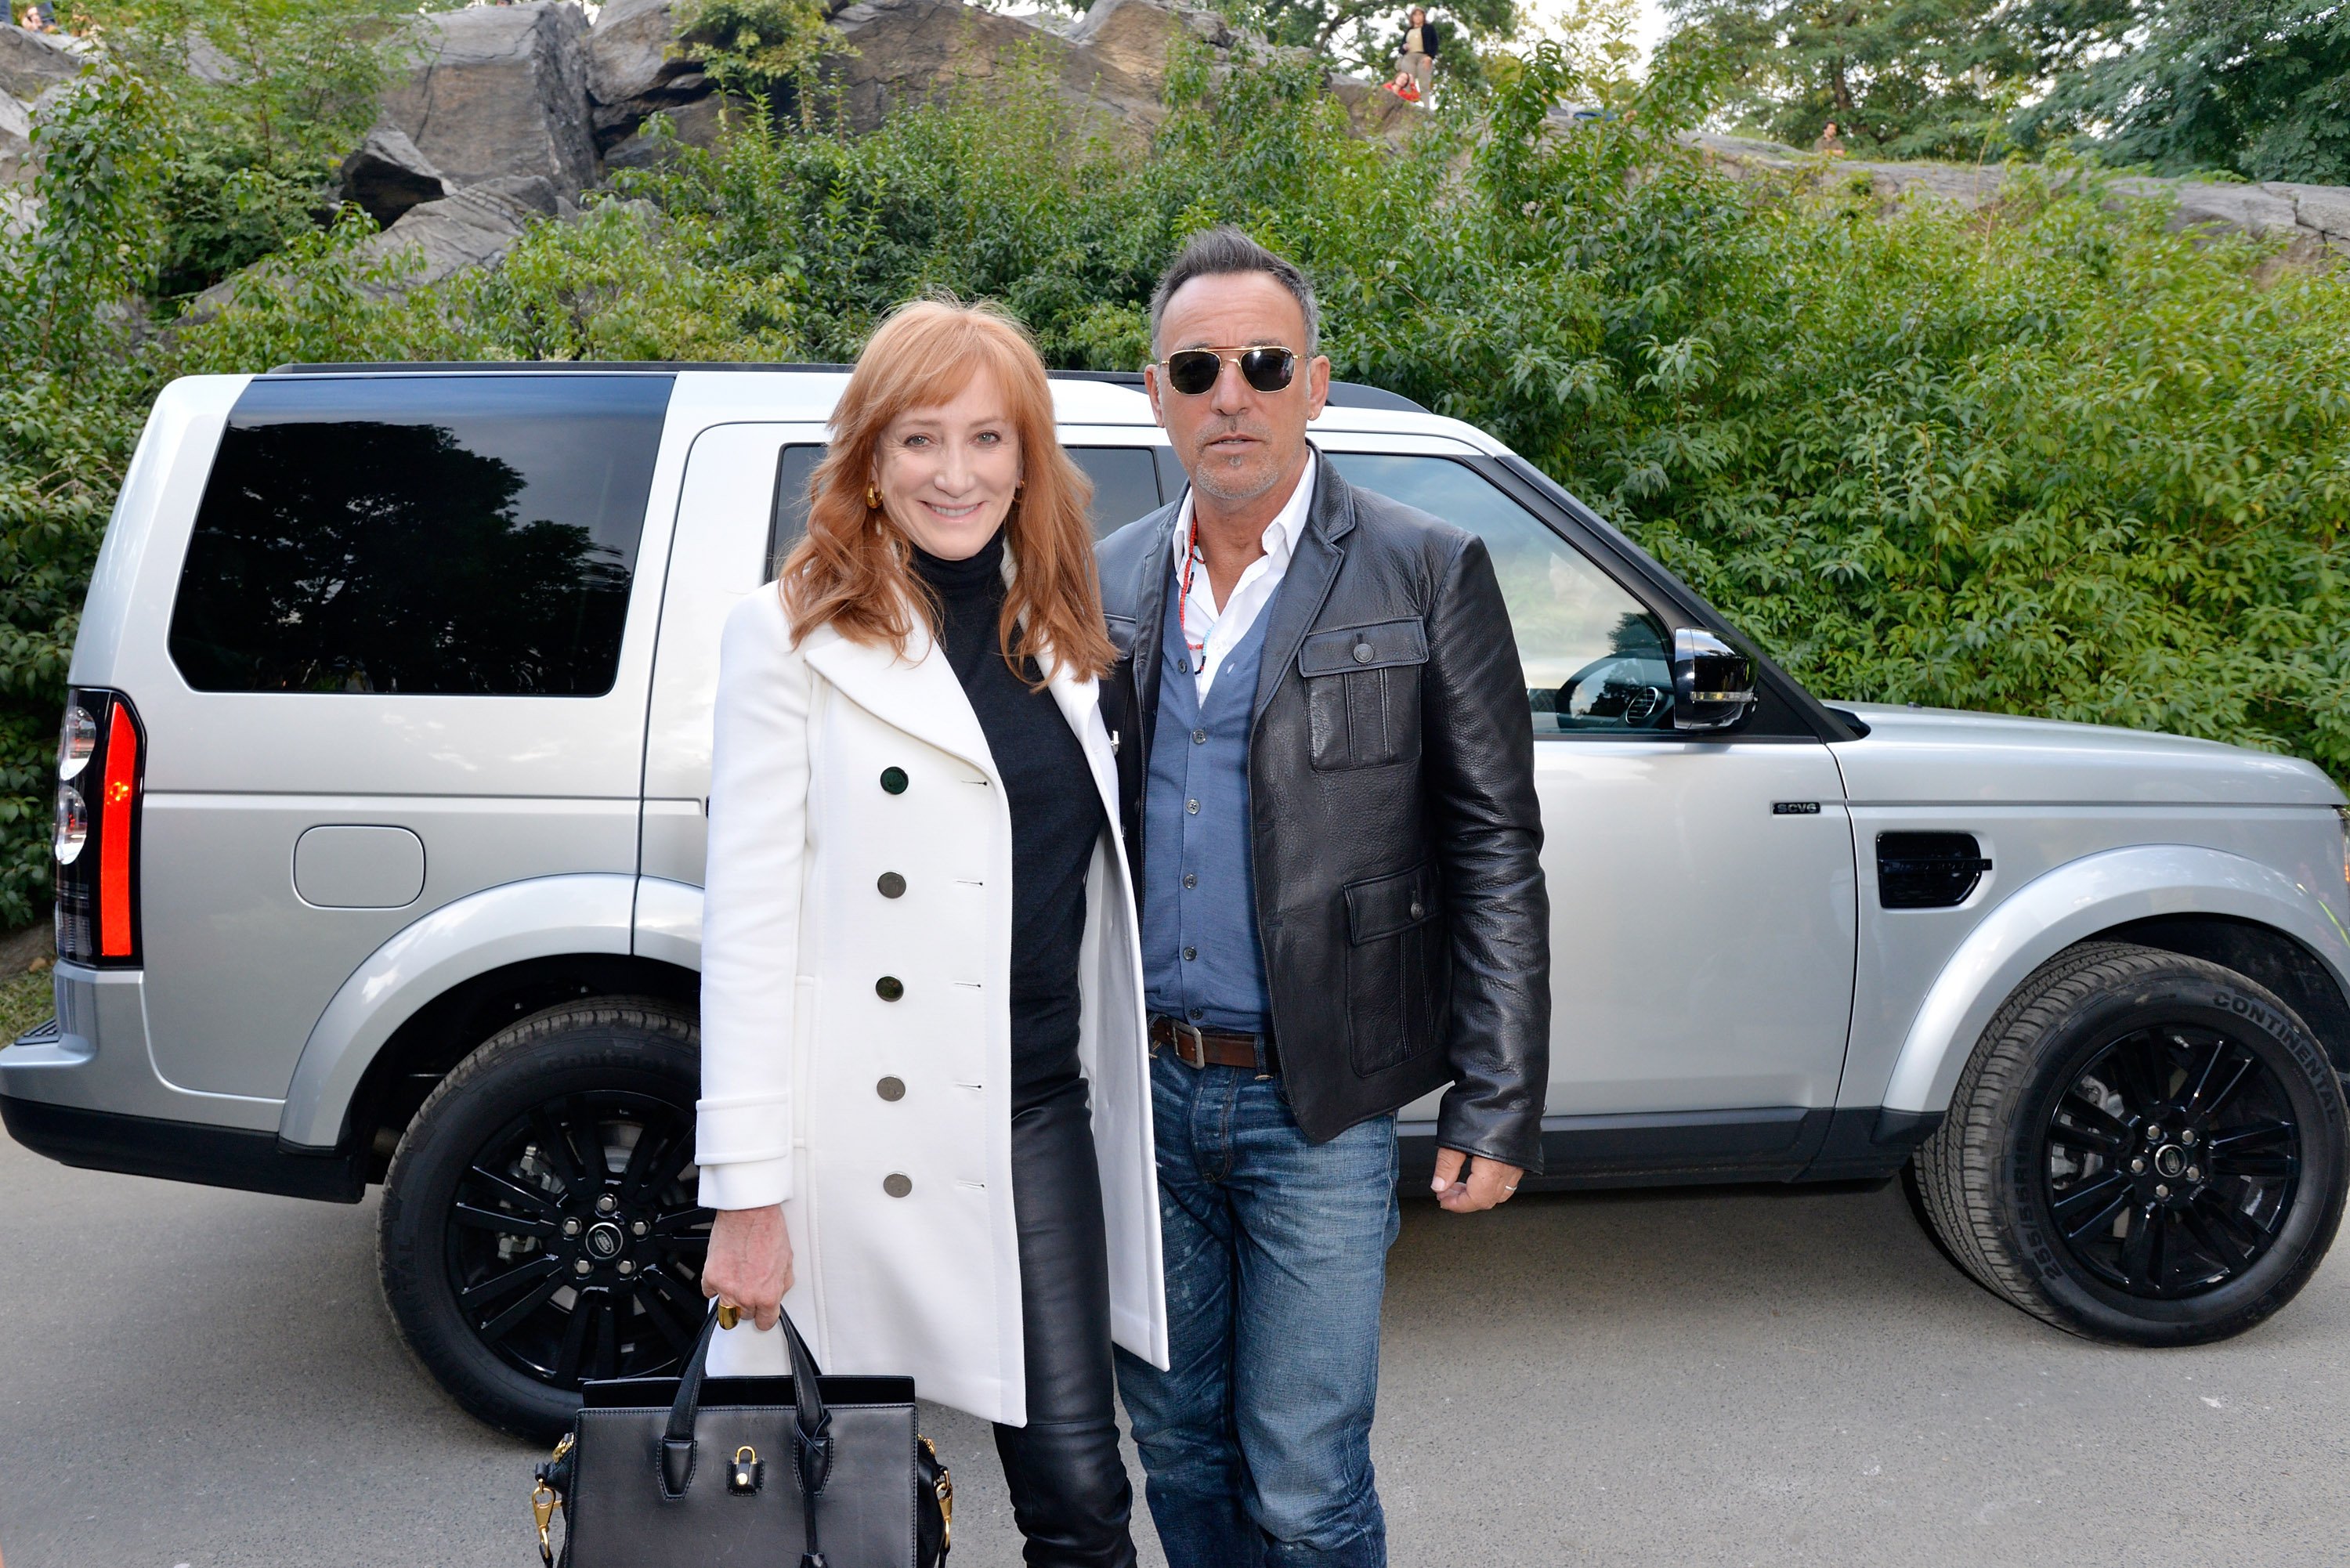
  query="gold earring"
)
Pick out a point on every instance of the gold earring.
point(872, 499)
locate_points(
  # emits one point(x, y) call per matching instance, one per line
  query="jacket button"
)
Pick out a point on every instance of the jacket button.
point(1363, 654)
point(1190, 878)
point(1198, 737)
point(1192, 806)
point(892, 886)
point(891, 1089)
point(888, 988)
point(1417, 909)
point(896, 1185)
point(1190, 953)
point(893, 780)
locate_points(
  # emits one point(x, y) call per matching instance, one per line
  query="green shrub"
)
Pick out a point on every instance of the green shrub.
point(2044, 459)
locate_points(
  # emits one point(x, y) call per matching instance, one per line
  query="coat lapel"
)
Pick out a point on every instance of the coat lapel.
point(1149, 603)
point(1313, 567)
point(1081, 703)
point(916, 692)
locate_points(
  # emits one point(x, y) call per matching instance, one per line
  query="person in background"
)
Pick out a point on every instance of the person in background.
point(1343, 908)
point(1415, 61)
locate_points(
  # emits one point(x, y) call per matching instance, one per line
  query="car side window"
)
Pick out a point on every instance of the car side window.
point(1597, 660)
point(419, 534)
point(1126, 486)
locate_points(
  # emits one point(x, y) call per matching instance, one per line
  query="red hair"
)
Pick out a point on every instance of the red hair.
point(854, 567)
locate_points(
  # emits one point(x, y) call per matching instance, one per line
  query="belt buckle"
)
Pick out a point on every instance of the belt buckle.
point(1197, 1057)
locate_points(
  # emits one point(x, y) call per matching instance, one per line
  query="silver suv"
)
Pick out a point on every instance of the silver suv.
point(380, 831)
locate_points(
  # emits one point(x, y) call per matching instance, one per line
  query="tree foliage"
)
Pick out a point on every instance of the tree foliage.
point(2255, 88)
point(2046, 459)
point(256, 102)
point(1899, 79)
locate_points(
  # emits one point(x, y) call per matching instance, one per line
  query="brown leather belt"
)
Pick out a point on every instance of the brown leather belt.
point(1197, 1047)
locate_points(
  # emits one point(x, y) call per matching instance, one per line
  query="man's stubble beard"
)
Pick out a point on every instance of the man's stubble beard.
point(1209, 474)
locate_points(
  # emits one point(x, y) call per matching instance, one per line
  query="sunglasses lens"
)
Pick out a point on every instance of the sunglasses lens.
point(1268, 369)
point(1192, 371)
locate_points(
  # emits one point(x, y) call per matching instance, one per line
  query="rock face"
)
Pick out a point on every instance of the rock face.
point(2315, 219)
point(504, 90)
point(388, 175)
point(470, 227)
point(1113, 62)
point(32, 63)
point(631, 74)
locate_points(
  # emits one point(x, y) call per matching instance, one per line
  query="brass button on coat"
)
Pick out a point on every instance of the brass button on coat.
point(891, 1089)
point(897, 1185)
point(1363, 654)
point(892, 886)
point(893, 780)
point(888, 988)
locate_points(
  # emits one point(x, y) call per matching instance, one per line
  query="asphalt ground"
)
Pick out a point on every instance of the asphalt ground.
point(1753, 1376)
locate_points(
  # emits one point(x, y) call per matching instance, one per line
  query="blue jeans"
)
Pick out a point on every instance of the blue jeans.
point(1257, 1440)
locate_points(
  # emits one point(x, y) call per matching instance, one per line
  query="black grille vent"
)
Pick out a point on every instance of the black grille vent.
point(1927, 870)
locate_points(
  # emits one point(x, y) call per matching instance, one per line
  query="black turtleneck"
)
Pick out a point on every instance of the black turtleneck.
point(1056, 816)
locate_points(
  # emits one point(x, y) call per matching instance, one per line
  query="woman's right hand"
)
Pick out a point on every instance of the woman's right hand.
point(750, 1262)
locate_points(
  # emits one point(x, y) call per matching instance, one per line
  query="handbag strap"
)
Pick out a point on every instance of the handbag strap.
point(813, 1423)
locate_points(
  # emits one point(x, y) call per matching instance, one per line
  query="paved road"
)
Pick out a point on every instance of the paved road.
point(1759, 1377)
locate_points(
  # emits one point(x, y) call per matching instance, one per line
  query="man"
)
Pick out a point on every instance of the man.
point(1331, 809)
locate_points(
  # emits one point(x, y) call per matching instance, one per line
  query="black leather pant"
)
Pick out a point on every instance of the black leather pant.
point(1069, 1492)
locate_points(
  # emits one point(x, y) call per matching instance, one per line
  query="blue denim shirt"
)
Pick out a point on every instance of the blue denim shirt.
point(1201, 961)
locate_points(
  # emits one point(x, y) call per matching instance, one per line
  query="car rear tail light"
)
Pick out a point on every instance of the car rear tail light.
point(101, 750)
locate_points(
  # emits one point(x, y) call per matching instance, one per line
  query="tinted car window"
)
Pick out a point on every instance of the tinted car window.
point(1126, 486)
point(419, 534)
point(1596, 657)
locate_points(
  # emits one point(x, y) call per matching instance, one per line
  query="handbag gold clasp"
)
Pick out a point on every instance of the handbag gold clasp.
point(542, 1504)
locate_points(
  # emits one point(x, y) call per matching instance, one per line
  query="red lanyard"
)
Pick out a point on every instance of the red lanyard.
point(1183, 602)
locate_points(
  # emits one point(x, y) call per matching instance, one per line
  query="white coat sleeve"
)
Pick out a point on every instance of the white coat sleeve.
point(750, 908)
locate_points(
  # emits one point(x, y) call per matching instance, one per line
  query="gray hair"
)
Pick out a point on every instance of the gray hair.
point(1224, 253)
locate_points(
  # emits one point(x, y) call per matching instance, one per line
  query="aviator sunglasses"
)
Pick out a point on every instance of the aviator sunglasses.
point(1192, 371)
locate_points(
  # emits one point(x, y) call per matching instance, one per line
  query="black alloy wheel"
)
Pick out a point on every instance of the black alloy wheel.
point(2170, 1161)
point(575, 1248)
point(540, 1226)
point(2145, 1149)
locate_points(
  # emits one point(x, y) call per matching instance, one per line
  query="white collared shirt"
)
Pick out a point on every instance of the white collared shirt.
point(1224, 628)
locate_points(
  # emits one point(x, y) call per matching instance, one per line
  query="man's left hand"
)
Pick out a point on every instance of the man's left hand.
point(1489, 1183)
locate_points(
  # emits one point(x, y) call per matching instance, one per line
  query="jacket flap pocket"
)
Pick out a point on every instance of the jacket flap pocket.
point(1390, 642)
point(1386, 904)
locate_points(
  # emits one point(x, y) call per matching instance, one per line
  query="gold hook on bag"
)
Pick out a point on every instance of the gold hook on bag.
point(544, 1502)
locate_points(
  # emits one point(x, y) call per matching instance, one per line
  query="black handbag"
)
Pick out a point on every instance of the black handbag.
point(695, 1472)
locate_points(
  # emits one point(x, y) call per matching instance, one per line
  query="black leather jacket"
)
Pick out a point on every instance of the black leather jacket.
point(1399, 892)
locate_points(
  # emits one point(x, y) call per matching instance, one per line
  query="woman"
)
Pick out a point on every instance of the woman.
point(1415, 61)
point(919, 945)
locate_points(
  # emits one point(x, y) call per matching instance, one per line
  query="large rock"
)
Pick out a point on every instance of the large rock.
point(32, 63)
point(388, 175)
point(472, 227)
point(1113, 63)
point(502, 90)
point(631, 73)
point(695, 124)
point(2312, 219)
point(15, 143)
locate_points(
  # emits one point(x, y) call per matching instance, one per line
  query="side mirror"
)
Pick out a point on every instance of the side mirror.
point(1714, 683)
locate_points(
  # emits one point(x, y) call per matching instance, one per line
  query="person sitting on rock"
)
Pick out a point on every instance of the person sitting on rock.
point(1416, 60)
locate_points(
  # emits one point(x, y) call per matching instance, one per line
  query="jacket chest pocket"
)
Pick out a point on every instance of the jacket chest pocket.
point(1362, 693)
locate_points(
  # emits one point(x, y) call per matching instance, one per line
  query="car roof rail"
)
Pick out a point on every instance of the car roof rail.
point(1343, 394)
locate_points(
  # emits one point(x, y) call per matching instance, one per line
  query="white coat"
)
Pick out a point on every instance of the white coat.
point(899, 1200)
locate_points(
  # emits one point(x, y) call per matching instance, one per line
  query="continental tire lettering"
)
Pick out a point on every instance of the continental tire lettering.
point(2253, 1012)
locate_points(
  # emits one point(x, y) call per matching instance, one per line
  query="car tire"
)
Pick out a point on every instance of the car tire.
point(540, 1226)
point(2057, 1183)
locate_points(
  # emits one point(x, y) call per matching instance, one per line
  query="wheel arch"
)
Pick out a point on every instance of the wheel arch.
point(2202, 902)
point(427, 997)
